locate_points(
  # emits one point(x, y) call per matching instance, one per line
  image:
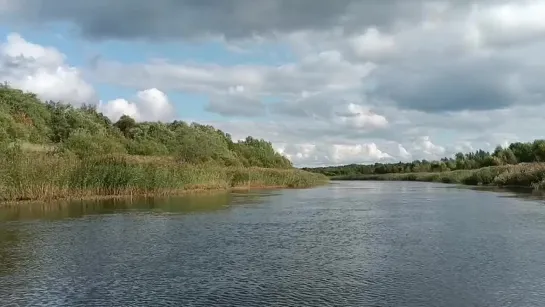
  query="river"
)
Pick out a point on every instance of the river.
point(345, 244)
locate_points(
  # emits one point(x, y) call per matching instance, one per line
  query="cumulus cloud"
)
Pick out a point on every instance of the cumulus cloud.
point(402, 153)
point(357, 153)
point(437, 88)
point(148, 105)
point(332, 154)
point(360, 117)
point(236, 102)
point(318, 76)
point(396, 66)
point(335, 107)
point(367, 81)
point(314, 73)
point(42, 70)
point(372, 45)
point(410, 135)
point(317, 143)
point(192, 19)
point(424, 145)
point(509, 23)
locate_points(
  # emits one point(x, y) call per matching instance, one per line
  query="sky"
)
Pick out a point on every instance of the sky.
point(327, 82)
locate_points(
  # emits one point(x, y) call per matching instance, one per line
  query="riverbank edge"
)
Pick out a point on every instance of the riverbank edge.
point(487, 186)
point(162, 193)
point(37, 177)
point(530, 176)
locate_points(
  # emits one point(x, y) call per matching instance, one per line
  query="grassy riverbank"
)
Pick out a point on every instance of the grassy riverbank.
point(52, 150)
point(527, 175)
point(42, 177)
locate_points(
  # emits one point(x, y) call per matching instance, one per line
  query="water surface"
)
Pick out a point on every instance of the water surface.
point(345, 244)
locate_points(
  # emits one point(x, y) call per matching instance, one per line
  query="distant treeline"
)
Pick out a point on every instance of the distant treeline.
point(38, 126)
point(515, 153)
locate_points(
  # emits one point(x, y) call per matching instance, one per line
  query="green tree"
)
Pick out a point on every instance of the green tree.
point(538, 148)
point(126, 124)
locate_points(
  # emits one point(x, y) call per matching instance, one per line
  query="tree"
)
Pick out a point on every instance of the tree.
point(126, 124)
point(85, 131)
point(538, 148)
point(523, 151)
point(513, 154)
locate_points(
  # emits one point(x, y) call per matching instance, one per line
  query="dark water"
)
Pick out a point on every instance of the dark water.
point(346, 244)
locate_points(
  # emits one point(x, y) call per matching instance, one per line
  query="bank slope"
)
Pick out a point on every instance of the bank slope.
point(52, 150)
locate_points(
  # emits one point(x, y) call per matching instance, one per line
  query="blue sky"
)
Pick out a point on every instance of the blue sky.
point(80, 52)
point(327, 83)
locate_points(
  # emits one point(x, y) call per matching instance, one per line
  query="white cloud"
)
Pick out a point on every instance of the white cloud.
point(42, 70)
point(236, 102)
point(430, 150)
point(360, 117)
point(116, 108)
point(510, 23)
point(188, 77)
point(148, 105)
point(372, 44)
point(332, 154)
point(369, 81)
point(16, 46)
point(199, 20)
point(409, 135)
point(357, 153)
point(402, 153)
point(318, 72)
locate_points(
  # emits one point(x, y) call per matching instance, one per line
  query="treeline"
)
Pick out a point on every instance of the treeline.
point(50, 150)
point(519, 152)
point(83, 131)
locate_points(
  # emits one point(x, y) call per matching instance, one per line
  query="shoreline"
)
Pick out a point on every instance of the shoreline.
point(29, 178)
point(527, 176)
point(54, 150)
point(164, 193)
point(487, 187)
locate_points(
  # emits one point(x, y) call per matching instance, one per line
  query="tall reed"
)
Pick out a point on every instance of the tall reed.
point(38, 176)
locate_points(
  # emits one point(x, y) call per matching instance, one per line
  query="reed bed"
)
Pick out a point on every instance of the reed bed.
point(37, 176)
point(526, 175)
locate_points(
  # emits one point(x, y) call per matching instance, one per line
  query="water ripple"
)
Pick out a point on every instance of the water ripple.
point(349, 244)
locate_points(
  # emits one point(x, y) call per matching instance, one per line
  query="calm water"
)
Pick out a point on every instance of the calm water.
point(346, 244)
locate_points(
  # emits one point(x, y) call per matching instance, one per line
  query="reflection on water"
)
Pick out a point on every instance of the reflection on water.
point(193, 203)
point(9, 250)
point(512, 192)
point(23, 250)
point(349, 244)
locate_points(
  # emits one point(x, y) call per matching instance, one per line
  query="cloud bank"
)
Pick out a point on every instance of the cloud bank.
point(368, 81)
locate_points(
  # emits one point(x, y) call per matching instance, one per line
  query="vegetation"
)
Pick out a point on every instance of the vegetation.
point(54, 150)
point(530, 175)
point(513, 154)
point(519, 164)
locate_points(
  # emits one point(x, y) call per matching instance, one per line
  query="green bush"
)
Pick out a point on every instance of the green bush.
point(530, 175)
point(53, 150)
point(84, 131)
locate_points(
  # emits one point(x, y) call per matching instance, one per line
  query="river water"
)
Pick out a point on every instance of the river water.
point(345, 244)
